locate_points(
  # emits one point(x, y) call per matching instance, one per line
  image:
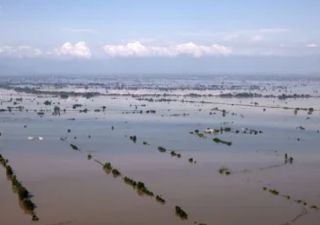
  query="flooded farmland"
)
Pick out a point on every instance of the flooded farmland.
point(146, 150)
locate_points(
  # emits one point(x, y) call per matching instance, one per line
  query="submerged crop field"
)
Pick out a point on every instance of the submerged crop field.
point(160, 150)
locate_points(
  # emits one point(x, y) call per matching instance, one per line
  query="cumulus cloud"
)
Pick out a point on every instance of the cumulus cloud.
point(137, 49)
point(20, 51)
point(130, 49)
point(79, 49)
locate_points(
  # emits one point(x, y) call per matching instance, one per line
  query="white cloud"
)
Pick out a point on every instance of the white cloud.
point(79, 49)
point(202, 50)
point(130, 49)
point(137, 49)
point(312, 45)
point(20, 51)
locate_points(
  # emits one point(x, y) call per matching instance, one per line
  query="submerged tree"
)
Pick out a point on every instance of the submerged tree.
point(181, 213)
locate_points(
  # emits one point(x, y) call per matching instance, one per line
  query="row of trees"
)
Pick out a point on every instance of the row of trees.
point(20, 189)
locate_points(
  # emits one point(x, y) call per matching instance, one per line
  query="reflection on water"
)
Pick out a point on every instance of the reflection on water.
point(70, 189)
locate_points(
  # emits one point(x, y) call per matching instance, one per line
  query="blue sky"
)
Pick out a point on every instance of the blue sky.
point(235, 36)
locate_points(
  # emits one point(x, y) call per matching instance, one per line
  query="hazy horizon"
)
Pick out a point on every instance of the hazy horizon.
point(120, 37)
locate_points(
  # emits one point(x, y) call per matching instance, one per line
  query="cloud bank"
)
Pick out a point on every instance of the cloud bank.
point(20, 51)
point(137, 49)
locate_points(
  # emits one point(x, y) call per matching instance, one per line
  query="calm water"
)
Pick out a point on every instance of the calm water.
point(70, 189)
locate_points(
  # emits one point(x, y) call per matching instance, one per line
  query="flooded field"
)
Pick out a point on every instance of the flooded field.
point(169, 150)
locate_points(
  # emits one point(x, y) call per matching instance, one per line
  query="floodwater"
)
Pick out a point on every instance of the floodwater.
point(69, 188)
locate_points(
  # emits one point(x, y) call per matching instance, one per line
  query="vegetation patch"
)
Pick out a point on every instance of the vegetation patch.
point(133, 138)
point(107, 167)
point(116, 173)
point(143, 189)
point(224, 171)
point(191, 160)
point(298, 201)
point(181, 213)
point(274, 192)
point(174, 154)
point(22, 192)
point(162, 149)
point(160, 199)
point(130, 182)
point(218, 140)
point(74, 147)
